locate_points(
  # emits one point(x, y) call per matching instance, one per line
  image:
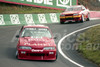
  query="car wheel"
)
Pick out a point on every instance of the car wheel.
point(88, 19)
point(17, 54)
point(56, 55)
point(82, 18)
point(61, 22)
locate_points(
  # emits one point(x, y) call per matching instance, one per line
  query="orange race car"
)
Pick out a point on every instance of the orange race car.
point(74, 14)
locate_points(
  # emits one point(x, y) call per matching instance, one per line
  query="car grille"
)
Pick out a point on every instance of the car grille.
point(36, 54)
point(69, 18)
point(37, 48)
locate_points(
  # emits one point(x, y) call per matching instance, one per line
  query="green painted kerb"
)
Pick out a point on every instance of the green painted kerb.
point(23, 19)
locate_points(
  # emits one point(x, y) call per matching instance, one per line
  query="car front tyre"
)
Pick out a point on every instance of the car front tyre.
point(88, 19)
point(17, 54)
point(61, 22)
point(56, 56)
point(82, 18)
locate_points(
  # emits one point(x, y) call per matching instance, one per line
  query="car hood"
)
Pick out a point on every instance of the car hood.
point(70, 12)
point(36, 42)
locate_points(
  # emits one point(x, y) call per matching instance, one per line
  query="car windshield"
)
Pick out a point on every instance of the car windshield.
point(73, 9)
point(36, 33)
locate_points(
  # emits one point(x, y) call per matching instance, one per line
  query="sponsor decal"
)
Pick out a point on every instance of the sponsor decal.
point(53, 17)
point(36, 50)
point(29, 18)
point(14, 19)
point(54, 4)
point(2, 20)
point(46, 2)
point(63, 3)
point(42, 18)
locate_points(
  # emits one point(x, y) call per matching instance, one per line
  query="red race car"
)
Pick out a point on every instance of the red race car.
point(74, 14)
point(36, 43)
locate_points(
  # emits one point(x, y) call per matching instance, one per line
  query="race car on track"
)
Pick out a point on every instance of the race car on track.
point(36, 42)
point(77, 13)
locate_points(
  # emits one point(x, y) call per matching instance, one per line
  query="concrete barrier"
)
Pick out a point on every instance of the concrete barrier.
point(23, 19)
point(95, 14)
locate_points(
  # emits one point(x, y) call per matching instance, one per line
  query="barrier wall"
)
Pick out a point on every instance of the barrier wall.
point(95, 14)
point(23, 19)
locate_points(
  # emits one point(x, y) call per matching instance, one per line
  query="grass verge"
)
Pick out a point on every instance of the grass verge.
point(89, 44)
point(6, 8)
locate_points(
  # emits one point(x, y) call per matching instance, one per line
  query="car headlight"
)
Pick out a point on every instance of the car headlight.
point(75, 14)
point(24, 47)
point(62, 15)
point(49, 48)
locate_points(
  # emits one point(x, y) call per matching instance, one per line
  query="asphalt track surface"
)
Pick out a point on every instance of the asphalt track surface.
point(8, 47)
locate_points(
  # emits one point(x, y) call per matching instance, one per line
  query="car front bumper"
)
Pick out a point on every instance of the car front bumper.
point(70, 18)
point(37, 55)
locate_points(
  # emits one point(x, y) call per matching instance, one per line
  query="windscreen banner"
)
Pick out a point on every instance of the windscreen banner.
point(53, 4)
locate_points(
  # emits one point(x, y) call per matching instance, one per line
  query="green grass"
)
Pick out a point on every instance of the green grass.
point(90, 46)
point(18, 9)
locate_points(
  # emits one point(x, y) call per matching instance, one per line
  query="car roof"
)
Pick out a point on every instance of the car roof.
point(35, 26)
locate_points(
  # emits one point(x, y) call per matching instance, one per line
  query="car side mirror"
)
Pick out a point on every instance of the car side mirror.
point(83, 9)
point(54, 37)
point(17, 36)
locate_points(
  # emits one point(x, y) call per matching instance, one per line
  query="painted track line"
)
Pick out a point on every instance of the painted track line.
point(59, 45)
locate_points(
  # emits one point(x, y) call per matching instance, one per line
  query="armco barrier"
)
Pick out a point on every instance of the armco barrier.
point(23, 19)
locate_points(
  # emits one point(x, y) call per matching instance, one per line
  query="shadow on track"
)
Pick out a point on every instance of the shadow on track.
point(10, 53)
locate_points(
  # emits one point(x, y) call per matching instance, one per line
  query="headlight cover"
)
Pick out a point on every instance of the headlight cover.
point(24, 47)
point(62, 15)
point(49, 48)
point(75, 14)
